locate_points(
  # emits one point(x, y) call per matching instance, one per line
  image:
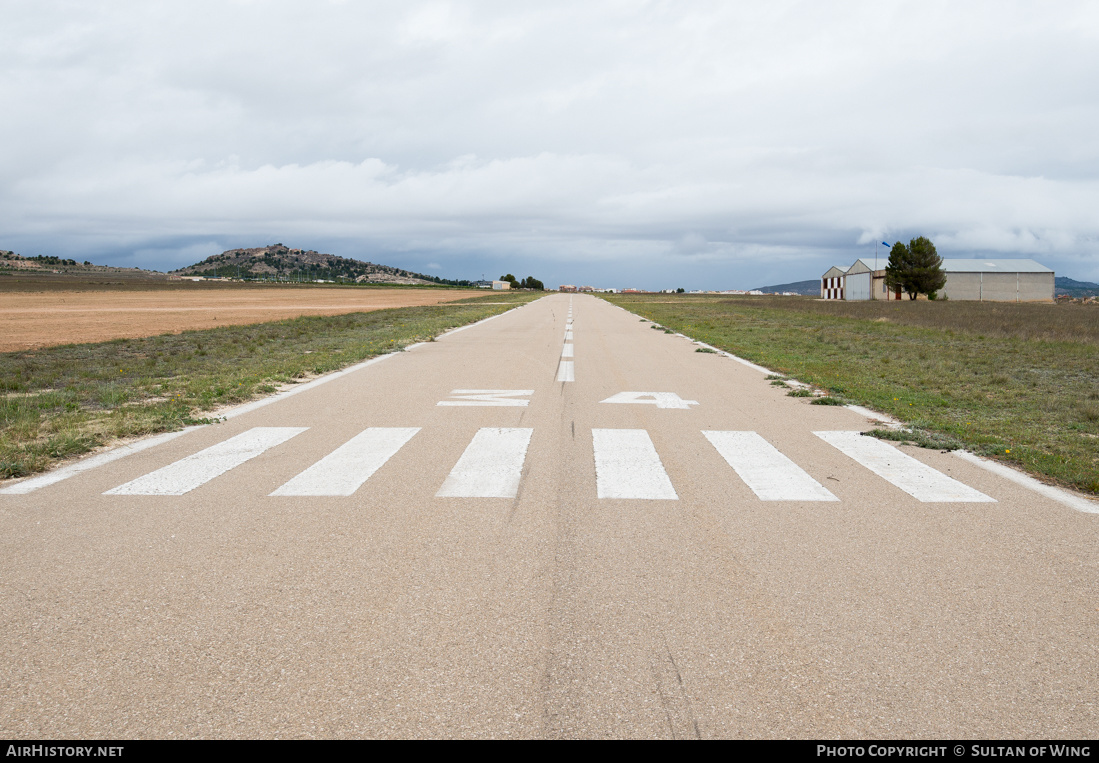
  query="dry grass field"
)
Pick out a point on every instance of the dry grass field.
point(46, 312)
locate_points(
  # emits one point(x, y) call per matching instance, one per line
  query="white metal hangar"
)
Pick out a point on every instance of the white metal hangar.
point(985, 280)
point(998, 280)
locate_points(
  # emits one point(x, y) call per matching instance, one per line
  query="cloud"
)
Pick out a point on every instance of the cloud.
point(747, 136)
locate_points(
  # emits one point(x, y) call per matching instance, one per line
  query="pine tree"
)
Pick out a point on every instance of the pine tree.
point(916, 268)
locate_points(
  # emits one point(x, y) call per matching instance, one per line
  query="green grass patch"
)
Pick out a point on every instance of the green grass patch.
point(63, 401)
point(1018, 382)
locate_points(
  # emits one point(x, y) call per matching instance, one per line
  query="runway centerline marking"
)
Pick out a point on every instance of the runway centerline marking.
point(186, 474)
point(566, 351)
point(488, 397)
point(913, 477)
point(659, 399)
point(566, 372)
point(344, 470)
point(491, 465)
point(627, 466)
point(769, 473)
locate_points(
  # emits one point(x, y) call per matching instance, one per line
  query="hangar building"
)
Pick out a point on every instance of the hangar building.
point(966, 279)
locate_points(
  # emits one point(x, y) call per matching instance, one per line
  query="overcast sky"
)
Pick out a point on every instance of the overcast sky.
point(619, 143)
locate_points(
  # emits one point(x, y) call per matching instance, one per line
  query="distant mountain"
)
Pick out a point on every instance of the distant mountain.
point(808, 288)
point(1072, 288)
point(279, 262)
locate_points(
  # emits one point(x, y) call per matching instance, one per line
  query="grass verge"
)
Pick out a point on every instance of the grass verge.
point(1019, 383)
point(62, 401)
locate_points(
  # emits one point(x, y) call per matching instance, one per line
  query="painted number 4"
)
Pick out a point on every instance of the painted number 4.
point(659, 399)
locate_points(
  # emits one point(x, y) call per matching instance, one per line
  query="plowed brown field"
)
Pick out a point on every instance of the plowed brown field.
point(40, 319)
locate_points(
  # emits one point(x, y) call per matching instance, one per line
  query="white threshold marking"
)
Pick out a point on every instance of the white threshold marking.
point(344, 470)
point(491, 465)
point(627, 466)
point(913, 477)
point(1077, 502)
point(186, 474)
point(566, 372)
point(502, 398)
point(659, 399)
point(34, 483)
point(566, 351)
point(770, 474)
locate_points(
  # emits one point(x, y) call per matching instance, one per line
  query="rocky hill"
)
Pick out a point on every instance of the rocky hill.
point(279, 262)
point(1074, 288)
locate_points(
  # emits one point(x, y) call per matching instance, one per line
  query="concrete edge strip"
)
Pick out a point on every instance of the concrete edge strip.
point(1057, 494)
point(1078, 502)
point(121, 451)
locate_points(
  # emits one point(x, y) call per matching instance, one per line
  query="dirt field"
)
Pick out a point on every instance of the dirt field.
point(44, 318)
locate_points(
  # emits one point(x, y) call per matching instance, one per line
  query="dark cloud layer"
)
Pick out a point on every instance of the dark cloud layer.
point(620, 143)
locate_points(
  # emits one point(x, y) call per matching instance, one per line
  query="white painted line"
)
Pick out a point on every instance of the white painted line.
point(186, 474)
point(913, 477)
point(568, 336)
point(475, 323)
point(1078, 502)
point(35, 483)
point(344, 470)
point(627, 466)
point(729, 355)
point(566, 372)
point(770, 474)
point(882, 417)
point(659, 399)
point(491, 465)
point(501, 398)
point(298, 389)
point(566, 351)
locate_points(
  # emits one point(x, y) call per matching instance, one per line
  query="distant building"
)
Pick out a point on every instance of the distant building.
point(998, 280)
point(566, 287)
point(985, 280)
point(831, 283)
point(501, 285)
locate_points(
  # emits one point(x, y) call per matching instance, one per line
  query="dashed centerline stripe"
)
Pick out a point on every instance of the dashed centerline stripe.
point(344, 470)
point(185, 475)
point(491, 465)
point(913, 477)
point(770, 475)
point(565, 371)
point(627, 466)
point(566, 351)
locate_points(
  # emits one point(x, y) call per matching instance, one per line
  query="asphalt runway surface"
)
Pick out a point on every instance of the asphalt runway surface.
point(555, 523)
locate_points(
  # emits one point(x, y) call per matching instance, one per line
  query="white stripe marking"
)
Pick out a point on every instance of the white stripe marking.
point(770, 474)
point(627, 466)
point(568, 336)
point(344, 470)
point(565, 371)
point(913, 477)
point(491, 465)
point(566, 351)
point(502, 398)
point(186, 474)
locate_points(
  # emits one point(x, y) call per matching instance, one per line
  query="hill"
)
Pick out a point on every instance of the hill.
point(1073, 288)
point(808, 288)
point(279, 262)
point(42, 265)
